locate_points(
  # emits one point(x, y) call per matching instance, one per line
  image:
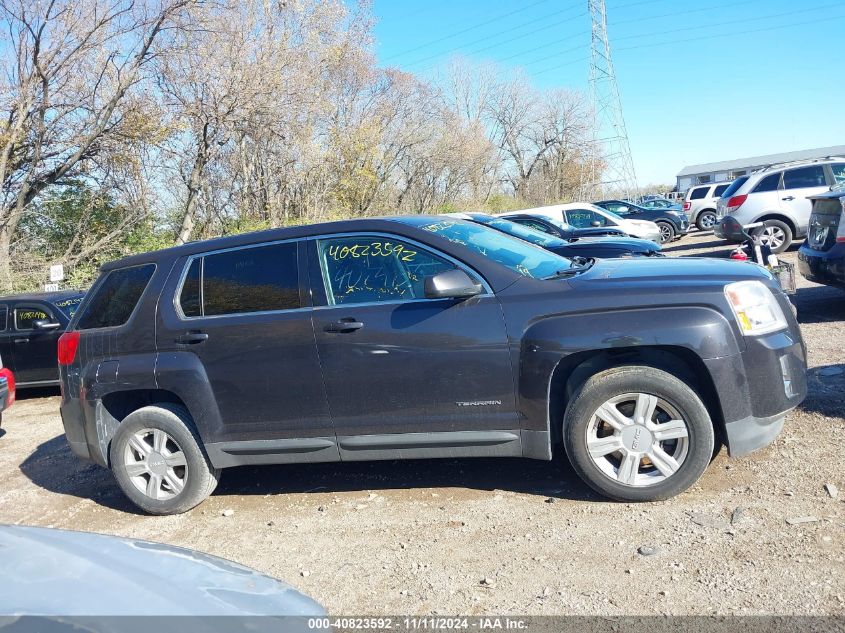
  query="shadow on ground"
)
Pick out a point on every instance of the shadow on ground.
point(820, 304)
point(826, 390)
point(53, 467)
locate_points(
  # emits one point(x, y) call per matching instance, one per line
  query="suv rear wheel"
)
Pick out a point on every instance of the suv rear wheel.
point(706, 220)
point(157, 459)
point(636, 433)
point(776, 234)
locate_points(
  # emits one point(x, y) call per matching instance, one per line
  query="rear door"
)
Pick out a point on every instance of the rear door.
point(34, 350)
point(798, 184)
point(241, 313)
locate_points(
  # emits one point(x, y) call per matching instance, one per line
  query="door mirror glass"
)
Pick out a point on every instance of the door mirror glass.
point(451, 284)
point(44, 324)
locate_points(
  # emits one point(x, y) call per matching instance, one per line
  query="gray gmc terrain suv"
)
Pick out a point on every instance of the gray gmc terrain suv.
point(421, 337)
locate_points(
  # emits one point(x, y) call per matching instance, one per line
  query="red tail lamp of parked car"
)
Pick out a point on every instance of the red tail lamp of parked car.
point(68, 343)
point(735, 202)
point(10, 383)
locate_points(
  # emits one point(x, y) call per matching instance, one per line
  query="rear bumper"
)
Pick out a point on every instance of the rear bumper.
point(729, 228)
point(823, 267)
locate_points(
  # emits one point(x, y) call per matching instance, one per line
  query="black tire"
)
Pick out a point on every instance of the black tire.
point(703, 217)
point(777, 225)
point(200, 477)
point(633, 379)
point(667, 232)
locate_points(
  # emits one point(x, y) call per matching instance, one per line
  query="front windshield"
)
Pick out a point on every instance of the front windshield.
point(521, 257)
point(524, 232)
point(69, 306)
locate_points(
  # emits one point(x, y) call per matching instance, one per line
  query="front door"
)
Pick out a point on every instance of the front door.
point(408, 376)
point(35, 350)
point(239, 311)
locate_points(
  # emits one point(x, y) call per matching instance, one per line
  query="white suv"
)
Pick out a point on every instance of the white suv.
point(777, 196)
point(700, 204)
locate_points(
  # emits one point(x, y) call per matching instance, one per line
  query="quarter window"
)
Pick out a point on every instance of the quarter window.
point(243, 280)
point(812, 176)
point(368, 269)
point(769, 183)
point(116, 297)
point(838, 170)
point(720, 190)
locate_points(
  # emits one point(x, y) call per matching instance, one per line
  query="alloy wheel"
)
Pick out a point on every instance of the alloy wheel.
point(637, 439)
point(665, 233)
point(774, 236)
point(708, 220)
point(155, 464)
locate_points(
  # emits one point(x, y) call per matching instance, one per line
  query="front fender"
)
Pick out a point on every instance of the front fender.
point(549, 341)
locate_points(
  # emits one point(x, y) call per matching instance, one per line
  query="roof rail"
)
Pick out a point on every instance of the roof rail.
point(796, 162)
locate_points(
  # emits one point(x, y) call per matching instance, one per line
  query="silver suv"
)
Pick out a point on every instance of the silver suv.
point(700, 204)
point(776, 195)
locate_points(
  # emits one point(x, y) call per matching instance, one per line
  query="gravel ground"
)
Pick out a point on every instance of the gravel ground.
point(507, 536)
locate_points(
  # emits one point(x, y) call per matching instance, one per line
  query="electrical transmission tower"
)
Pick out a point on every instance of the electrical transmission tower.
point(611, 168)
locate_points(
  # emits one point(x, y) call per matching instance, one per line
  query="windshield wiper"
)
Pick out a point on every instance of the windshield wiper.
point(578, 265)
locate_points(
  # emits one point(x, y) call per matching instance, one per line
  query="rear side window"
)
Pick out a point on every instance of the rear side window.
point(734, 186)
point(116, 297)
point(838, 170)
point(720, 190)
point(240, 281)
point(699, 193)
point(769, 183)
point(812, 176)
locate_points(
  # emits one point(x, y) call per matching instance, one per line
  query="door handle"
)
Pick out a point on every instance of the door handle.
point(788, 198)
point(21, 340)
point(344, 325)
point(192, 338)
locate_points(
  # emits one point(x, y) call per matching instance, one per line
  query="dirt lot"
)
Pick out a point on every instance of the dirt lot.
point(505, 537)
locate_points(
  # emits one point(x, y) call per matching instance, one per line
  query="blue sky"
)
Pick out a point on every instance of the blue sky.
point(699, 81)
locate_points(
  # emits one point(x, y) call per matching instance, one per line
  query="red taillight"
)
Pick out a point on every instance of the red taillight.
point(736, 201)
point(687, 205)
point(10, 383)
point(68, 342)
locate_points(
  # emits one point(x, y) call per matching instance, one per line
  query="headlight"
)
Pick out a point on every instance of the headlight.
point(755, 308)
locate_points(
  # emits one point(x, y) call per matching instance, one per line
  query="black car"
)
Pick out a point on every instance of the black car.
point(30, 326)
point(561, 230)
point(602, 247)
point(421, 337)
point(673, 223)
point(822, 256)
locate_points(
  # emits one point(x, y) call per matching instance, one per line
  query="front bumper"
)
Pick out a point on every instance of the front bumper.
point(759, 386)
point(823, 267)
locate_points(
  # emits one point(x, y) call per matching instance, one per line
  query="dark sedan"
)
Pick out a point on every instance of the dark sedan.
point(673, 224)
point(561, 229)
point(30, 327)
point(588, 247)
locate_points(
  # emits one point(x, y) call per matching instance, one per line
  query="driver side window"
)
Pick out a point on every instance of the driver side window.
point(584, 218)
point(26, 316)
point(373, 268)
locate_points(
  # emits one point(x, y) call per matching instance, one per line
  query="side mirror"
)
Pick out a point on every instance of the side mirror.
point(44, 324)
point(451, 284)
point(596, 223)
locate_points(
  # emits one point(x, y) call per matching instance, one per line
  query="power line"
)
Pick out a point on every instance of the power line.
point(493, 35)
point(466, 30)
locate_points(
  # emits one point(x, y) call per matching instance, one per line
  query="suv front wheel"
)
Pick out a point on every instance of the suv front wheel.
point(637, 433)
point(157, 459)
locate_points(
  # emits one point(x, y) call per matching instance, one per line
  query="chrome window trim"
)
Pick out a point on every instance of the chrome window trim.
point(177, 307)
point(488, 291)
